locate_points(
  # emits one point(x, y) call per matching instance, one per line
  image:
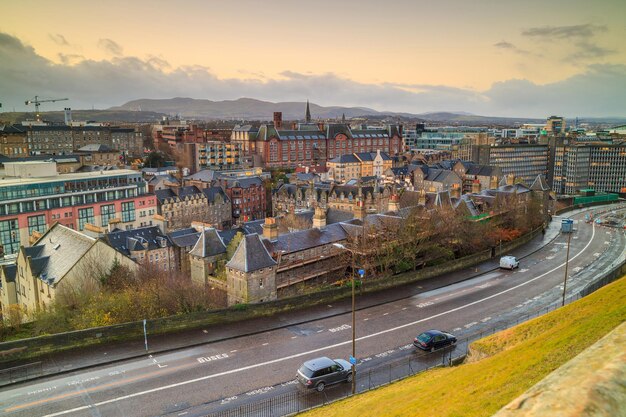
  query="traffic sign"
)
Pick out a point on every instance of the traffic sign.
point(361, 272)
point(352, 360)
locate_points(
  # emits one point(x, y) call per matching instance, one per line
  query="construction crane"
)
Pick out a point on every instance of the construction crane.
point(37, 102)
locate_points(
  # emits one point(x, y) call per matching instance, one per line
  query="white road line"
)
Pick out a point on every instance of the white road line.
point(385, 314)
point(265, 344)
point(294, 337)
point(297, 355)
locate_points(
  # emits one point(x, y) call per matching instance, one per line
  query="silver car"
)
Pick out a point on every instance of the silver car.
point(320, 372)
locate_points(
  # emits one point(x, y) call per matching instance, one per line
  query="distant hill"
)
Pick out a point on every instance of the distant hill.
point(252, 109)
point(119, 116)
point(243, 108)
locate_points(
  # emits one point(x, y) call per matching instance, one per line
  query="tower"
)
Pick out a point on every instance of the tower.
point(308, 113)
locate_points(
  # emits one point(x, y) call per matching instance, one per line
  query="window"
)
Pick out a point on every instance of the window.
point(107, 213)
point(85, 216)
point(37, 223)
point(9, 236)
point(128, 211)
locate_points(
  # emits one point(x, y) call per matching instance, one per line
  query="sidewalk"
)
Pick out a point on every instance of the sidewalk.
point(92, 356)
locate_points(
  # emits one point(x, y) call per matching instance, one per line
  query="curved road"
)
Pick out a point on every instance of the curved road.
point(202, 379)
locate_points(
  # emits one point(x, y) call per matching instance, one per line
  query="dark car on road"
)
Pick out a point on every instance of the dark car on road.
point(320, 372)
point(433, 340)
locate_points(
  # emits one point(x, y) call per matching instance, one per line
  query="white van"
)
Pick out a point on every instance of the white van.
point(509, 262)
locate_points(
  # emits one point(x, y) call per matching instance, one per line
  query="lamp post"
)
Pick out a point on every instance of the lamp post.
point(353, 357)
point(569, 238)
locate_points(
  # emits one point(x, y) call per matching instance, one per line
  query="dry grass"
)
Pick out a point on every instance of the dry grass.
point(516, 359)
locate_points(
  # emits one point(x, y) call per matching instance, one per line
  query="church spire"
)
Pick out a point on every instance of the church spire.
point(343, 118)
point(308, 113)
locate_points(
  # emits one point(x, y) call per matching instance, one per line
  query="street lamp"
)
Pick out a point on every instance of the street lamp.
point(567, 227)
point(353, 357)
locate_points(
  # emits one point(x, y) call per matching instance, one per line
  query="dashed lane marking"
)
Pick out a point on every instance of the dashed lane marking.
point(285, 358)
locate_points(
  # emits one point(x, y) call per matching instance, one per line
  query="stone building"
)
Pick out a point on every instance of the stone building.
point(180, 206)
point(147, 246)
point(291, 198)
point(251, 273)
point(204, 257)
point(61, 260)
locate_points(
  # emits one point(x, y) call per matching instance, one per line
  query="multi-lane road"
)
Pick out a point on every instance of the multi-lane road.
point(201, 379)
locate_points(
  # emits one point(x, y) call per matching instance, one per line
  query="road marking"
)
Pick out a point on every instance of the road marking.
point(457, 329)
point(320, 331)
point(550, 257)
point(233, 351)
point(385, 314)
point(426, 304)
point(205, 359)
point(404, 308)
point(265, 344)
point(366, 319)
point(294, 337)
point(468, 325)
point(340, 328)
point(523, 270)
point(486, 319)
point(285, 358)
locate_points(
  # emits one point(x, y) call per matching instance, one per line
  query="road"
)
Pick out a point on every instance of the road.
point(201, 379)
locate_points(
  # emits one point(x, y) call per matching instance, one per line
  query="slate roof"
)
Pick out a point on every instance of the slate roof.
point(400, 171)
point(346, 159)
point(183, 238)
point(213, 192)
point(57, 251)
point(206, 175)
point(209, 244)
point(254, 226)
point(10, 272)
point(513, 189)
point(243, 182)
point(157, 179)
point(251, 255)
point(179, 195)
point(481, 170)
point(125, 241)
point(306, 239)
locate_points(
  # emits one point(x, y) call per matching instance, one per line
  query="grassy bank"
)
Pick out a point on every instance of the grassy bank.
point(512, 362)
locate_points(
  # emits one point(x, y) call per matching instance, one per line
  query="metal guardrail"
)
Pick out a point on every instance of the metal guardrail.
point(297, 401)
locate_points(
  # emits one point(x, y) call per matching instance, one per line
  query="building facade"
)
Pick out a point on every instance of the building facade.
point(524, 161)
point(599, 166)
point(33, 197)
point(312, 143)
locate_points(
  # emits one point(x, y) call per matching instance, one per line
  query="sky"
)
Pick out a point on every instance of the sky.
point(500, 58)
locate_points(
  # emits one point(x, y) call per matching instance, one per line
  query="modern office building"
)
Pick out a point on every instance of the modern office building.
point(523, 161)
point(33, 196)
point(578, 166)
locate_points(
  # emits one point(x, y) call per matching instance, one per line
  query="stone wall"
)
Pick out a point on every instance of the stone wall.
point(591, 384)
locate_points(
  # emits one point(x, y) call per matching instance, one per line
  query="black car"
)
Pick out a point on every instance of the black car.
point(317, 373)
point(433, 339)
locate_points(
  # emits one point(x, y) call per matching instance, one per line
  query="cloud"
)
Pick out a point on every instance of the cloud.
point(111, 47)
point(564, 32)
point(58, 39)
point(598, 91)
point(510, 47)
point(586, 50)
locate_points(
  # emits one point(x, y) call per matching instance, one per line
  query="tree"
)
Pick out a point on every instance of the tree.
point(232, 245)
point(155, 159)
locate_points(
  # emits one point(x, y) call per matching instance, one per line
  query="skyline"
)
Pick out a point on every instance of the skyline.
point(489, 58)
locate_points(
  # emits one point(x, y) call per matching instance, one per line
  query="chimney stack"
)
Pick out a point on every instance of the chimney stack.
point(278, 120)
point(319, 218)
point(270, 229)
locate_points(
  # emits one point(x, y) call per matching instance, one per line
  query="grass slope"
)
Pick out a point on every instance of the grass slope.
point(516, 359)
